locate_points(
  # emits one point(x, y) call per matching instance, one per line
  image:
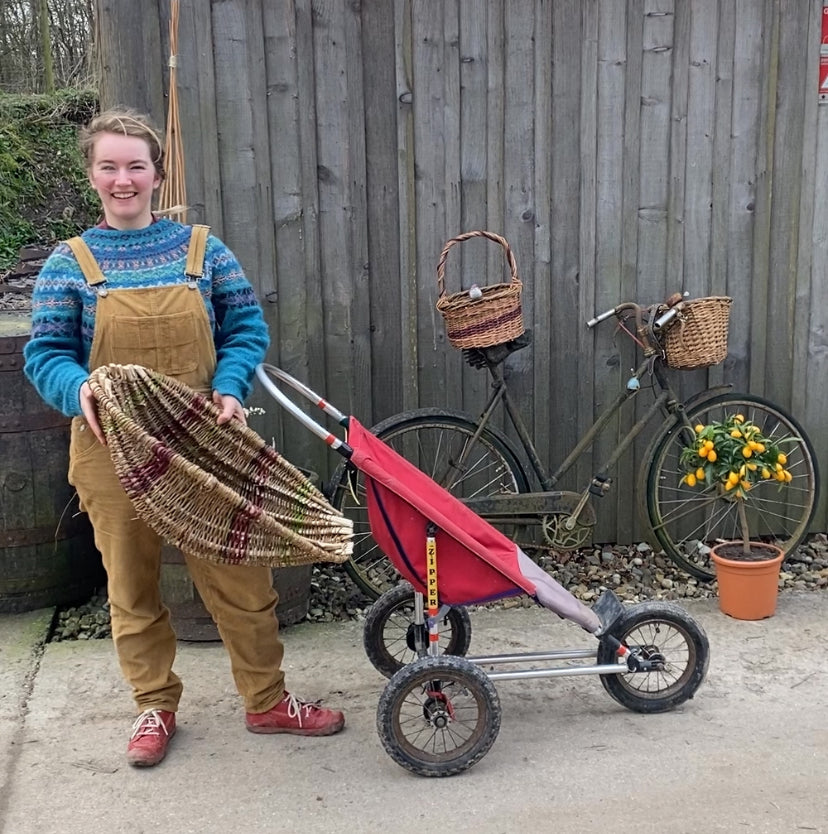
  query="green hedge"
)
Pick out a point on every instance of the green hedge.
point(44, 193)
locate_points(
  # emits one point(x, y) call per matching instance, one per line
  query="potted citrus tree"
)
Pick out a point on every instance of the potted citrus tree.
point(732, 457)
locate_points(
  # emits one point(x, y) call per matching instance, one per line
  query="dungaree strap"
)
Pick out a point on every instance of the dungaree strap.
point(86, 261)
point(195, 254)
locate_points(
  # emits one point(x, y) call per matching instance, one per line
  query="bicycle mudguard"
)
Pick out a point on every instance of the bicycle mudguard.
point(707, 394)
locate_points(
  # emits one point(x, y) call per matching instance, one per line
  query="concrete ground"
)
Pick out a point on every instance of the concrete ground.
point(748, 754)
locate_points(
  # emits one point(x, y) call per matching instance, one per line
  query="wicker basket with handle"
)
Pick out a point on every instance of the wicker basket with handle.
point(698, 336)
point(491, 318)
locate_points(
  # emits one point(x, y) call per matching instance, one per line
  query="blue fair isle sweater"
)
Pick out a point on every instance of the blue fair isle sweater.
point(63, 307)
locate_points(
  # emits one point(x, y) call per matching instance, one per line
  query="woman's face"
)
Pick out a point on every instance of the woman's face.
point(125, 178)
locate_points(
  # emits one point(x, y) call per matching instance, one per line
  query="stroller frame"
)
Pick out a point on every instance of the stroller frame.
point(430, 623)
point(440, 713)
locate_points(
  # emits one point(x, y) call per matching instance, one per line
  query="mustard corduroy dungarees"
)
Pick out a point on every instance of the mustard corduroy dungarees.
point(167, 329)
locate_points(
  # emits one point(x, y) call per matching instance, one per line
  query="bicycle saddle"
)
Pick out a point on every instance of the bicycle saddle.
point(494, 355)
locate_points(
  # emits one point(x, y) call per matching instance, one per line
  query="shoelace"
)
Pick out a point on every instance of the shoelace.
point(148, 723)
point(296, 705)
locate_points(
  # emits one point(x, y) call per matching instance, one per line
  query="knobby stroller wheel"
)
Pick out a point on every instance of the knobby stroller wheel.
point(438, 716)
point(391, 636)
point(674, 647)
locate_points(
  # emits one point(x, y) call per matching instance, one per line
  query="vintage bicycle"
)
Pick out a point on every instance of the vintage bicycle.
point(509, 486)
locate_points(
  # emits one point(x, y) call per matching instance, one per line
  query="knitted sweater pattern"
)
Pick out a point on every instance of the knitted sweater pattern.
point(64, 306)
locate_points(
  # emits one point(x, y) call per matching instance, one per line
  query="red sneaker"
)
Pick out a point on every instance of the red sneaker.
point(151, 733)
point(293, 715)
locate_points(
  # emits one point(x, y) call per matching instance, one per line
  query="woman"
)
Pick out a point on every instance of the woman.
point(120, 293)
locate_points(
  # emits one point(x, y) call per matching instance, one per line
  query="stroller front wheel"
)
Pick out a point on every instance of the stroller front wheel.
point(392, 639)
point(438, 716)
point(674, 652)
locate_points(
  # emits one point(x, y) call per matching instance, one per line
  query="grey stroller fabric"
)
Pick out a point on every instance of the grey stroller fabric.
point(552, 595)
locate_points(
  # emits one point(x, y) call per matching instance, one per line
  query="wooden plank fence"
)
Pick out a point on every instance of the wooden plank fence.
point(625, 149)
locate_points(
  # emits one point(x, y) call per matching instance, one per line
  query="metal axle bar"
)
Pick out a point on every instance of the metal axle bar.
point(558, 654)
point(606, 669)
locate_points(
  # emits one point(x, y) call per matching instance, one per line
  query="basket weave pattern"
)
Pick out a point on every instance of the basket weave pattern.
point(493, 318)
point(698, 337)
point(217, 492)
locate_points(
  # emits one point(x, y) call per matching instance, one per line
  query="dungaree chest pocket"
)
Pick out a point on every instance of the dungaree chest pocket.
point(164, 343)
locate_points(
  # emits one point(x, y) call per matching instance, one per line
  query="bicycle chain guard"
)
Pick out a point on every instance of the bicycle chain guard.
point(557, 534)
point(549, 510)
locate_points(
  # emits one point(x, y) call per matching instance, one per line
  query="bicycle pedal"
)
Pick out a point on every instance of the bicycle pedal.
point(600, 485)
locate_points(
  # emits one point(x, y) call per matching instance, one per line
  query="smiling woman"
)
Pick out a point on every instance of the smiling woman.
point(124, 178)
point(173, 298)
point(125, 165)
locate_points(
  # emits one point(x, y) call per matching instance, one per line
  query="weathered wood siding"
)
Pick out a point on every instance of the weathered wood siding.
point(625, 149)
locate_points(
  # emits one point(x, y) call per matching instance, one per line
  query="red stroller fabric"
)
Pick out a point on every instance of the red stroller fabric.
point(475, 562)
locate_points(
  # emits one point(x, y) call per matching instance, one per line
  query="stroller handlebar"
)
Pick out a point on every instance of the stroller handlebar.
point(266, 374)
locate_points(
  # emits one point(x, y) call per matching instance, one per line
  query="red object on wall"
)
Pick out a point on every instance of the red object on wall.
point(823, 56)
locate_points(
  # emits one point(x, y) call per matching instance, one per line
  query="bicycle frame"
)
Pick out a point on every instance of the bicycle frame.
point(666, 403)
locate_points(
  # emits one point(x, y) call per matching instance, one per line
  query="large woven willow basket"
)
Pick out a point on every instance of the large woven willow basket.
point(492, 318)
point(698, 336)
point(217, 492)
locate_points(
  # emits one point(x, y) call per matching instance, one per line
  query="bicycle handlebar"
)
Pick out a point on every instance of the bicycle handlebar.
point(667, 317)
point(674, 304)
point(601, 317)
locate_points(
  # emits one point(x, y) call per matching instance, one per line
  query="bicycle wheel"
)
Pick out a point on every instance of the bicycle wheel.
point(438, 716)
point(391, 636)
point(667, 637)
point(436, 441)
point(687, 521)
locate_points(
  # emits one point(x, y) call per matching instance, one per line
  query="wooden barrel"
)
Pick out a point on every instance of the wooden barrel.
point(293, 586)
point(190, 618)
point(47, 554)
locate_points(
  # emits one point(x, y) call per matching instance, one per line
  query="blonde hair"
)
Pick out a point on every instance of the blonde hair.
point(127, 122)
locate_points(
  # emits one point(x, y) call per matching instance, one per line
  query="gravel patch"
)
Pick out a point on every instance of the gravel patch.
point(633, 572)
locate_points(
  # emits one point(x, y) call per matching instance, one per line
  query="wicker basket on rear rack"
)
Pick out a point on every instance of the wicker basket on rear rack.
point(697, 338)
point(491, 318)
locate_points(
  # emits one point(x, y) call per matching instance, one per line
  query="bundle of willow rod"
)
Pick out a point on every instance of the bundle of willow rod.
point(172, 198)
point(217, 492)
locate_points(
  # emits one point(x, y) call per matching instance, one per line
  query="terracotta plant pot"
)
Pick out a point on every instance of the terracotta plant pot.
point(748, 588)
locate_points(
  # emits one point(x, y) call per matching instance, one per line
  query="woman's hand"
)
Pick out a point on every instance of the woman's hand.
point(231, 408)
point(90, 412)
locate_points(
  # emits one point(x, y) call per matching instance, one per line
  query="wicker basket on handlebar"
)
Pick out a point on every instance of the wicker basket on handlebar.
point(697, 338)
point(491, 318)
